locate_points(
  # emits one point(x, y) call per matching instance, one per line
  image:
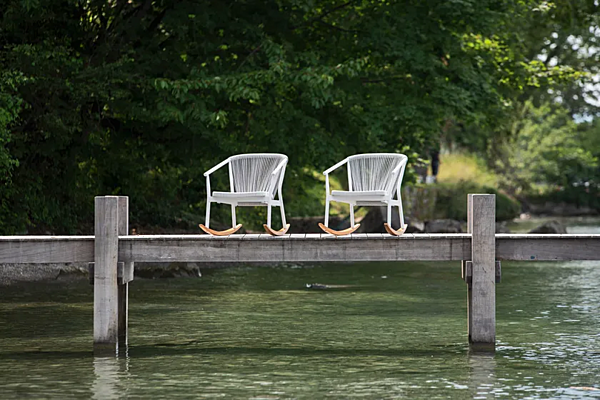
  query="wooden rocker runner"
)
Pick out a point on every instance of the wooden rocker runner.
point(373, 180)
point(254, 180)
point(343, 232)
point(392, 231)
point(273, 232)
point(226, 232)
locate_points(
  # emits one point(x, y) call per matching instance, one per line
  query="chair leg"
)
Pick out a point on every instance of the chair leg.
point(401, 213)
point(327, 212)
point(389, 214)
point(269, 215)
point(283, 221)
point(207, 219)
point(351, 215)
point(233, 222)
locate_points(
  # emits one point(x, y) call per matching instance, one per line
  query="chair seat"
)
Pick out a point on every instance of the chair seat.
point(235, 197)
point(359, 195)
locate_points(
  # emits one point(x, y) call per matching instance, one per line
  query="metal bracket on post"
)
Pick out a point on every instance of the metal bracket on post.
point(467, 272)
point(124, 272)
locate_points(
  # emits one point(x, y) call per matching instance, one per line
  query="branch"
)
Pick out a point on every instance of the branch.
point(337, 27)
point(119, 11)
point(248, 123)
point(382, 80)
point(334, 9)
point(249, 55)
point(157, 20)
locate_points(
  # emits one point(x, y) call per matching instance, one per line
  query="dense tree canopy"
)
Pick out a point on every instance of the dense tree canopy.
point(538, 141)
point(140, 97)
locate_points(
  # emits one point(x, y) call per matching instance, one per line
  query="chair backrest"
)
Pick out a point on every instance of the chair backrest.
point(253, 172)
point(374, 171)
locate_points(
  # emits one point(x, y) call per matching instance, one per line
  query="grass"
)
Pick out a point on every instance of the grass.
point(459, 167)
point(461, 174)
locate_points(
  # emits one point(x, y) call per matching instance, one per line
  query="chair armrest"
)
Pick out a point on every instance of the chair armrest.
point(207, 186)
point(281, 165)
point(402, 164)
point(216, 167)
point(336, 166)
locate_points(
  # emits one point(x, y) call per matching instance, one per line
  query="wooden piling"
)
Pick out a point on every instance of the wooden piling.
point(106, 246)
point(481, 297)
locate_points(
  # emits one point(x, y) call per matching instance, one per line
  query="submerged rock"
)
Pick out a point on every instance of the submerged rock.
point(502, 228)
point(550, 227)
point(320, 286)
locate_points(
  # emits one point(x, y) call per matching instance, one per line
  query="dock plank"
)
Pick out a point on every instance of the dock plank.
point(549, 247)
point(311, 247)
point(46, 249)
point(298, 247)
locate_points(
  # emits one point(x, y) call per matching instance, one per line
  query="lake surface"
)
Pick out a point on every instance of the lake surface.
point(397, 331)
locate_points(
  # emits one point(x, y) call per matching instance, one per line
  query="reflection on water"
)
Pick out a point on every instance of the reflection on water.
point(482, 377)
point(108, 374)
point(397, 330)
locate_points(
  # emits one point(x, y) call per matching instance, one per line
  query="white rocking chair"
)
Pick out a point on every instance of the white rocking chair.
point(254, 180)
point(373, 180)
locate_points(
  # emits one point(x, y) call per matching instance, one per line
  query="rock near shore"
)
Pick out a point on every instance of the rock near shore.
point(560, 209)
point(550, 227)
point(443, 226)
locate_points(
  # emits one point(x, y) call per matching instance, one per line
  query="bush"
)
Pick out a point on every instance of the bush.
point(451, 201)
point(580, 196)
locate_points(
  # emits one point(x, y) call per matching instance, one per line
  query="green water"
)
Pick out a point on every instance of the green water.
point(399, 331)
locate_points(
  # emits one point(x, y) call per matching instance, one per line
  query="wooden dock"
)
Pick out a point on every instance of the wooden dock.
point(114, 253)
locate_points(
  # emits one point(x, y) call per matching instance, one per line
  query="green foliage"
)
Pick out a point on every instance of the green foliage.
point(545, 148)
point(140, 97)
point(590, 136)
point(579, 182)
point(563, 37)
point(10, 105)
point(559, 39)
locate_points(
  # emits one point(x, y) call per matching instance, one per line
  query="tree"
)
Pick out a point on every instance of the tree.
point(559, 41)
point(140, 97)
point(545, 148)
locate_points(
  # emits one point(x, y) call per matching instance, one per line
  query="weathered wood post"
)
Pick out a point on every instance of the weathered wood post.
point(106, 231)
point(124, 274)
point(481, 294)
